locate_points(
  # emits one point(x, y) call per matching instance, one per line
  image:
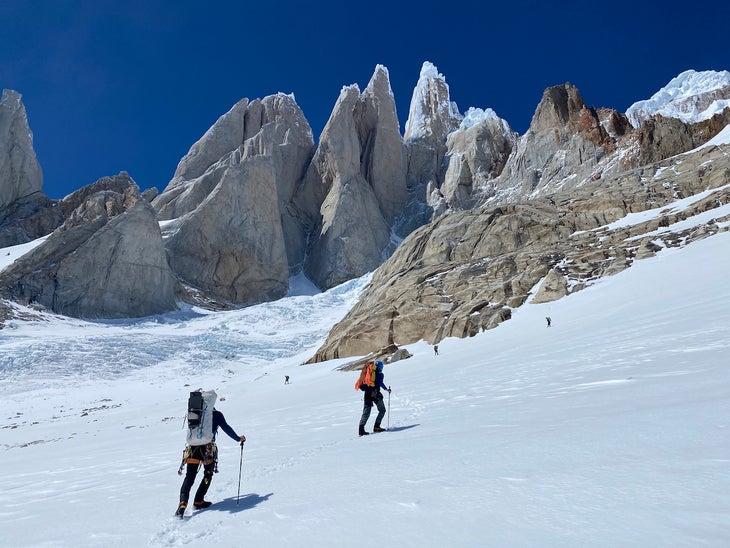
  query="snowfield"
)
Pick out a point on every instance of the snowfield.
point(680, 98)
point(610, 428)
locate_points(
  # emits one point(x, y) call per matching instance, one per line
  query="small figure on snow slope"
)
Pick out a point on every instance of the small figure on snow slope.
point(370, 382)
point(201, 448)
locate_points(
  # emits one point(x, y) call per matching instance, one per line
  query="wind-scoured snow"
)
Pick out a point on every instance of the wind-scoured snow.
point(609, 428)
point(680, 98)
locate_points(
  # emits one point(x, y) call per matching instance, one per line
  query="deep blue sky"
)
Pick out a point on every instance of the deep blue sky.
point(112, 86)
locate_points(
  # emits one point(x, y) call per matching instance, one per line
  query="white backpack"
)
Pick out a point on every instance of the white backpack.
point(200, 417)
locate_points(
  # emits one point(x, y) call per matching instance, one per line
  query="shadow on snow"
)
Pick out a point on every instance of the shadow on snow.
point(399, 428)
point(234, 504)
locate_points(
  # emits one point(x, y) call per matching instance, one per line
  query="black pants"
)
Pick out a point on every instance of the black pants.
point(202, 455)
point(370, 398)
point(192, 471)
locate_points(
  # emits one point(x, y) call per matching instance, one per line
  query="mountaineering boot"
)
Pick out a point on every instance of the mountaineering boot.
point(362, 432)
point(378, 428)
point(202, 504)
point(180, 512)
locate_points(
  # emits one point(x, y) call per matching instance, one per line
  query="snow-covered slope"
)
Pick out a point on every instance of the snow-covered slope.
point(609, 428)
point(692, 96)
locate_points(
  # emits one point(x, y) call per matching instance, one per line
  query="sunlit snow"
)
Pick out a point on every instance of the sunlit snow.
point(679, 98)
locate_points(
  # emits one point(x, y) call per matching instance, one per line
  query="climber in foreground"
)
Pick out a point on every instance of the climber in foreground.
point(203, 423)
point(370, 382)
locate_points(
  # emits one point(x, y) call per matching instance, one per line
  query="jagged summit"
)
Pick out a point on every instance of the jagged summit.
point(691, 97)
point(474, 116)
point(381, 71)
point(560, 106)
point(356, 173)
point(432, 112)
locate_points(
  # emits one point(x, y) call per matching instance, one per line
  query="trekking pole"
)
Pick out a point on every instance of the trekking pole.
point(240, 469)
point(389, 408)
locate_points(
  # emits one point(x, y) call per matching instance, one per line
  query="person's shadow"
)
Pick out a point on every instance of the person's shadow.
point(239, 504)
point(399, 428)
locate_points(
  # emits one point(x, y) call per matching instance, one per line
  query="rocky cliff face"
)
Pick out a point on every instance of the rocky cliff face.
point(224, 256)
point(569, 145)
point(233, 232)
point(468, 270)
point(476, 153)
point(451, 156)
point(355, 185)
point(25, 212)
point(659, 137)
point(103, 257)
point(20, 173)
point(29, 218)
point(332, 207)
point(543, 219)
point(431, 117)
point(340, 207)
point(106, 261)
point(564, 147)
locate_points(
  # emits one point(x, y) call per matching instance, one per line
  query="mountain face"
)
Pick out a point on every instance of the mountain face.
point(450, 155)
point(103, 256)
point(431, 117)
point(356, 184)
point(25, 212)
point(468, 270)
point(476, 153)
point(232, 232)
point(20, 172)
point(540, 226)
point(486, 214)
point(563, 147)
point(106, 260)
point(327, 211)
